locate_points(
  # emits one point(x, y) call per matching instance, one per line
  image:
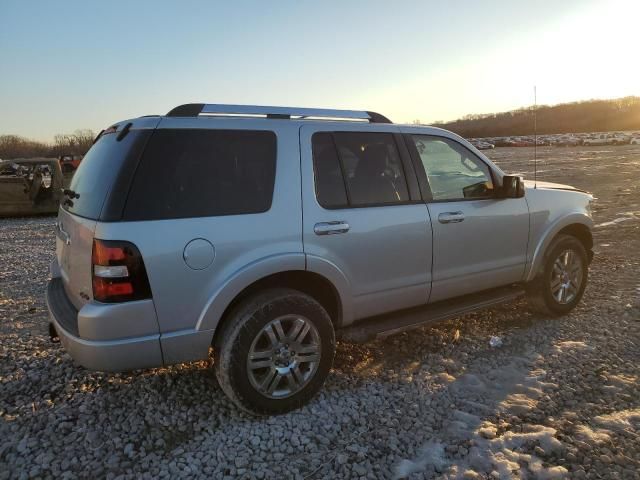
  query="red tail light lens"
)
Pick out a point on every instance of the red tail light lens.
point(118, 271)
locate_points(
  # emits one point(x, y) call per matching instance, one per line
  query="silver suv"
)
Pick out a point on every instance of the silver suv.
point(265, 232)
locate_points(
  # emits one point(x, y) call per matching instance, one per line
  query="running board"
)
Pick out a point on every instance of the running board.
point(392, 323)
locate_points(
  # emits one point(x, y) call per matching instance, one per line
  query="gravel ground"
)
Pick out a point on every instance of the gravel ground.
point(559, 399)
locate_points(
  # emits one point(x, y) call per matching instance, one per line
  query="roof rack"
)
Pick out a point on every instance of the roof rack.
point(285, 113)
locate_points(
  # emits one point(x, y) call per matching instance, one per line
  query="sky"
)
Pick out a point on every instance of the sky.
point(70, 64)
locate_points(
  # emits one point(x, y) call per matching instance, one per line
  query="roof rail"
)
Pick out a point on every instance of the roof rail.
point(286, 113)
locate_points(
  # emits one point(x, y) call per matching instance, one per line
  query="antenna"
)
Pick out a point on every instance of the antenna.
point(535, 137)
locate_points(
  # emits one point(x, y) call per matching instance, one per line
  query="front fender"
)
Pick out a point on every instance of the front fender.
point(544, 239)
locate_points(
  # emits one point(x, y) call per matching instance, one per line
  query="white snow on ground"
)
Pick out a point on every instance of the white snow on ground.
point(626, 420)
point(628, 216)
point(512, 389)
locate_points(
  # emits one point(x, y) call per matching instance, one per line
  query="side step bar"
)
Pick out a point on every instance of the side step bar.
point(392, 323)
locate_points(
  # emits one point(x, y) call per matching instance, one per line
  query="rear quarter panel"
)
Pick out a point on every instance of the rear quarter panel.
point(190, 300)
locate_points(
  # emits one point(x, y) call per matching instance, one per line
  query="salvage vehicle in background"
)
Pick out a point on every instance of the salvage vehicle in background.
point(265, 232)
point(30, 187)
point(70, 163)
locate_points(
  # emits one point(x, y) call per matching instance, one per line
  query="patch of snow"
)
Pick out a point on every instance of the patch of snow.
point(620, 421)
point(568, 345)
point(616, 220)
point(514, 388)
point(431, 454)
point(590, 436)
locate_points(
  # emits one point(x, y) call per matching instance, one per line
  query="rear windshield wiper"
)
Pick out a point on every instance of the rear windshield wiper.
point(70, 193)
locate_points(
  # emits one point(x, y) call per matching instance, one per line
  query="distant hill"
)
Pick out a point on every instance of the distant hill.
point(588, 116)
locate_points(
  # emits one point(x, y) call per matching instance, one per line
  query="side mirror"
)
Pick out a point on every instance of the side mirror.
point(512, 187)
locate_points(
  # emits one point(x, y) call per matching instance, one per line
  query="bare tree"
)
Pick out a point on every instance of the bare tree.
point(76, 143)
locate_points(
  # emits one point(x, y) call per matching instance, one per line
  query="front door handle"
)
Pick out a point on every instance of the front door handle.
point(331, 228)
point(451, 217)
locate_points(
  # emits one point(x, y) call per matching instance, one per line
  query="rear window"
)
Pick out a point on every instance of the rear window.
point(98, 171)
point(199, 173)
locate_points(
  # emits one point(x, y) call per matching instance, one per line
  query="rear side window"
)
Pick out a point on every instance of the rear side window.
point(201, 173)
point(99, 170)
point(358, 169)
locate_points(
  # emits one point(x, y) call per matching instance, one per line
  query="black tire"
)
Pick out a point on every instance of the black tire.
point(539, 292)
point(239, 332)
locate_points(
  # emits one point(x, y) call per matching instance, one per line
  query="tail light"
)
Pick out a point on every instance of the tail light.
point(118, 271)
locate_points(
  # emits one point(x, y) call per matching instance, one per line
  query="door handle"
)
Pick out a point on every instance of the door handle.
point(331, 228)
point(451, 217)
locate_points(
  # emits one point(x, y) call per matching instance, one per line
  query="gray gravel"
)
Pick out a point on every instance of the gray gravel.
point(560, 398)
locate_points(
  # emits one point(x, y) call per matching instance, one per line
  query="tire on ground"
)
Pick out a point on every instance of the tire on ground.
point(539, 293)
point(240, 328)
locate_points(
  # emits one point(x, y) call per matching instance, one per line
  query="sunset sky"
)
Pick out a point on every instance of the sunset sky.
point(81, 64)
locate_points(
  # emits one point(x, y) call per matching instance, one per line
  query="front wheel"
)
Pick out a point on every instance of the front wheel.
point(560, 285)
point(275, 351)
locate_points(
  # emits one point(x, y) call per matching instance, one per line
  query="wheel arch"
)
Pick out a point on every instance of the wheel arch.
point(311, 283)
point(577, 225)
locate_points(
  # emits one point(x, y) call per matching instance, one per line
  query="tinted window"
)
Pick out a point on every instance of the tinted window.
point(97, 172)
point(200, 173)
point(454, 172)
point(330, 188)
point(369, 166)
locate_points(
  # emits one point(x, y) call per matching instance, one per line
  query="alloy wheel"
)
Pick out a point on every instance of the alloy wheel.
point(284, 356)
point(566, 277)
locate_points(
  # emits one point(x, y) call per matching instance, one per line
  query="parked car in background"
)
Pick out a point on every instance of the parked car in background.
point(482, 144)
point(635, 141)
point(567, 141)
point(266, 232)
point(599, 139)
point(620, 139)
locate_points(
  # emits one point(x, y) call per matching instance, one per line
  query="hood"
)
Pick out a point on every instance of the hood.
point(551, 186)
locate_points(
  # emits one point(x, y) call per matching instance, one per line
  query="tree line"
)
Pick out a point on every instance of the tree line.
point(621, 114)
point(16, 146)
point(588, 116)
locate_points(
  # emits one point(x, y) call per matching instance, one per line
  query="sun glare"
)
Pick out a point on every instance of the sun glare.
point(585, 55)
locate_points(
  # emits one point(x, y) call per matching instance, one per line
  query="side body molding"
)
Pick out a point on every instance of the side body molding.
point(541, 240)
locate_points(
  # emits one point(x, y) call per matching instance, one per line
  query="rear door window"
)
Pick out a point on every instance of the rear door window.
point(330, 187)
point(358, 169)
point(200, 173)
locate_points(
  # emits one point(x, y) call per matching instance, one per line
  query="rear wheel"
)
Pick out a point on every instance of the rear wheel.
point(275, 351)
point(560, 285)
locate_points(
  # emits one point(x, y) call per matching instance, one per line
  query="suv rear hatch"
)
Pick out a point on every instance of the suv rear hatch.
point(97, 193)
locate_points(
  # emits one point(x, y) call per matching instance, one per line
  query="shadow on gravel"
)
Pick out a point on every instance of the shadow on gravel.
point(469, 416)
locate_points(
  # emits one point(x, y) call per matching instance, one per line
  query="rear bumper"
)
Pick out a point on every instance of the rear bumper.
point(104, 355)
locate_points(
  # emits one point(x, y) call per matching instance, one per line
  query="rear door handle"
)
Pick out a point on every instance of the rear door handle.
point(451, 217)
point(331, 228)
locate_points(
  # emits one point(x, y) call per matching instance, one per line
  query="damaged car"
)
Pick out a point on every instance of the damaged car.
point(30, 187)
